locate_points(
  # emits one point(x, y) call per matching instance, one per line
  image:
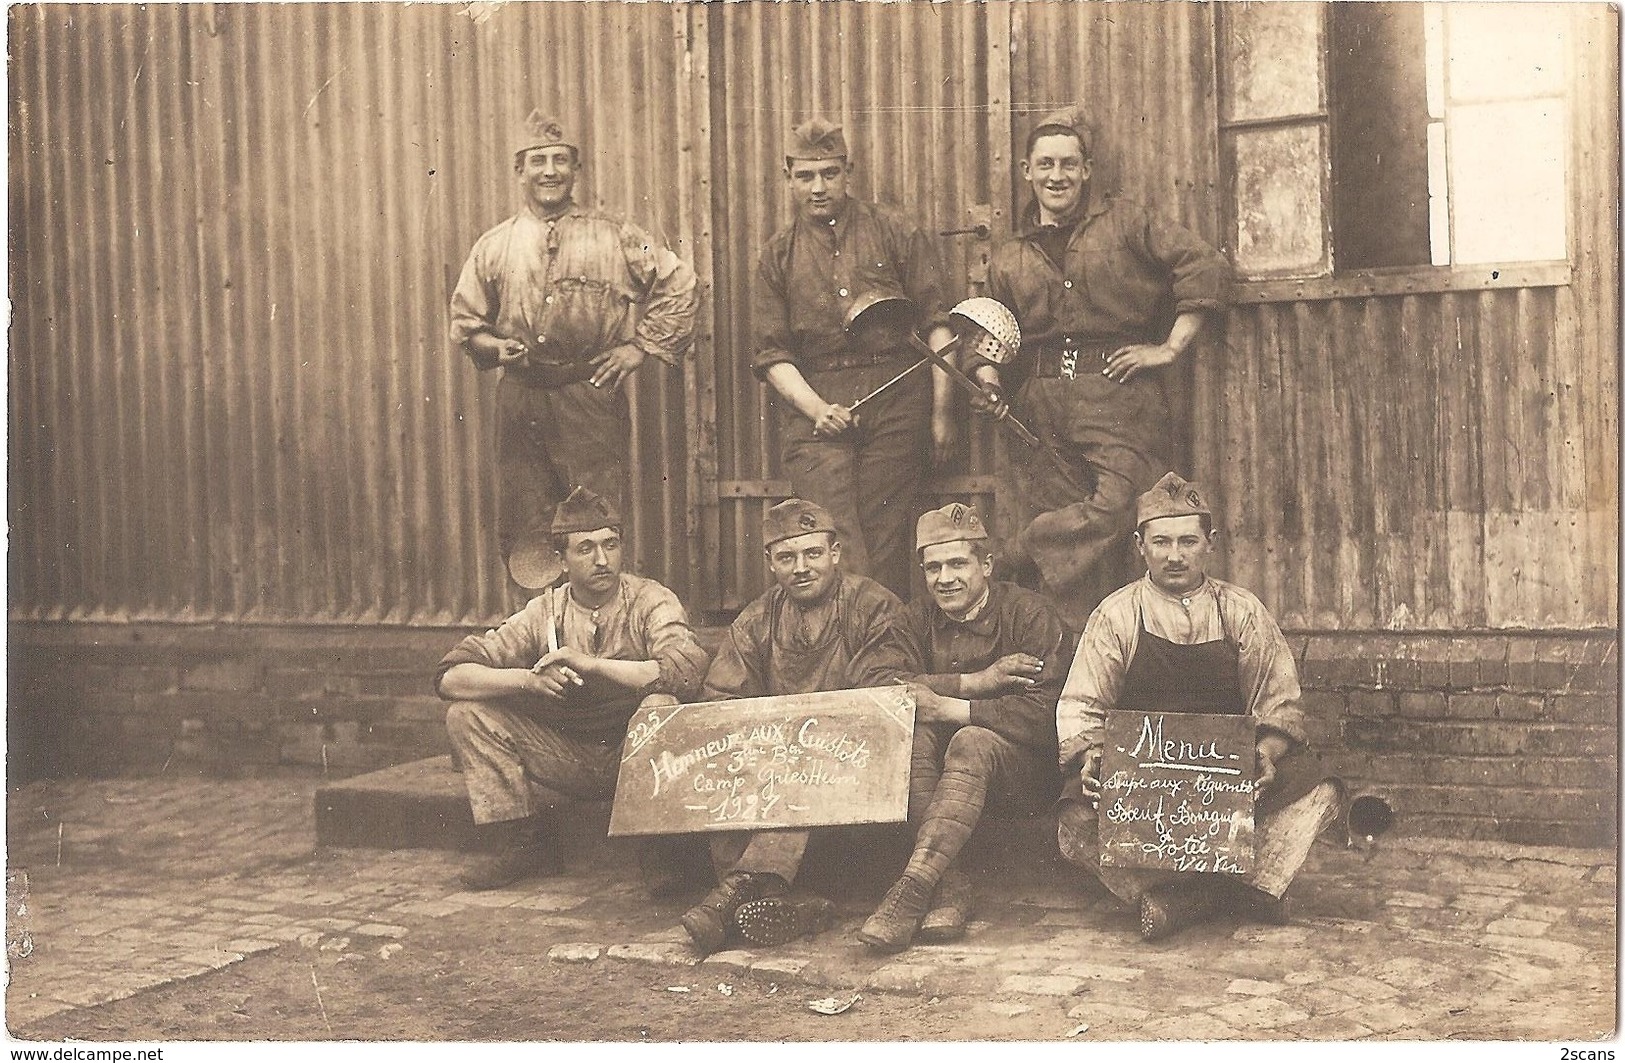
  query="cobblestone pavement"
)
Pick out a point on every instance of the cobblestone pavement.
point(114, 887)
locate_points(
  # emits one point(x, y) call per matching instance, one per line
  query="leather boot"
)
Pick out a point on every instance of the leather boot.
point(709, 921)
point(521, 852)
point(1169, 909)
point(892, 927)
point(778, 920)
point(950, 910)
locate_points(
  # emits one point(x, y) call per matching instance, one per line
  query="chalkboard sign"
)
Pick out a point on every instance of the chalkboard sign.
point(1177, 792)
point(799, 760)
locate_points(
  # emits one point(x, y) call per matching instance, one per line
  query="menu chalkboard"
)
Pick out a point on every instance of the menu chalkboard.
point(797, 760)
point(1177, 792)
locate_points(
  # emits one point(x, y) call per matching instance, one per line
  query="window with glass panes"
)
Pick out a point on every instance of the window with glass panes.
point(1363, 136)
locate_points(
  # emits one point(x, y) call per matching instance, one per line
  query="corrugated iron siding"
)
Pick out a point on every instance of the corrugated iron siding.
point(907, 82)
point(235, 228)
point(1442, 460)
point(1144, 73)
point(1349, 503)
point(235, 232)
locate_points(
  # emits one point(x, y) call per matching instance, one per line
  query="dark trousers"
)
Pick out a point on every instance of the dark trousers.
point(869, 477)
point(1109, 437)
point(550, 440)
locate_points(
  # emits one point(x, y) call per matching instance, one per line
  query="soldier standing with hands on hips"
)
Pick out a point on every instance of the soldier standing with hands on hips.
point(568, 302)
point(1106, 293)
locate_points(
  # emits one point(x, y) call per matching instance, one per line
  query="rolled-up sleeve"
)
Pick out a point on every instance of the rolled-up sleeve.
point(518, 643)
point(669, 300)
point(1199, 274)
point(474, 304)
point(671, 643)
point(770, 309)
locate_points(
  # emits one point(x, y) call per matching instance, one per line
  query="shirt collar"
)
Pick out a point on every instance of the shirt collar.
point(1205, 587)
point(1093, 208)
point(980, 611)
point(567, 595)
point(835, 230)
point(572, 209)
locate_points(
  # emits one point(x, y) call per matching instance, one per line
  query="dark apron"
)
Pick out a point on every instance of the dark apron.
point(1206, 679)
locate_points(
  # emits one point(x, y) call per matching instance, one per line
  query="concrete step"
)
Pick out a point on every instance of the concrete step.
point(423, 805)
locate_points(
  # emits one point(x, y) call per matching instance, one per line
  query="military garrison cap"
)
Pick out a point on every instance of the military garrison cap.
point(816, 138)
point(584, 511)
point(793, 517)
point(541, 131)
point(953, 523)
point(1076, 118)
point(1173, 496)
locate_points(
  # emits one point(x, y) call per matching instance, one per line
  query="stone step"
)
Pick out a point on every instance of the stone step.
point(417, 805)
point(423, 805)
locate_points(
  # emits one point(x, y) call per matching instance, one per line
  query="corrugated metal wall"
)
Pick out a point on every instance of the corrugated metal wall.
point(234, 229)
point(1436, 459)
point(908, 83)
point(1443, 460)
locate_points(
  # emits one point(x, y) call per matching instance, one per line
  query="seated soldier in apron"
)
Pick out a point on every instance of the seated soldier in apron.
point(1178, 640)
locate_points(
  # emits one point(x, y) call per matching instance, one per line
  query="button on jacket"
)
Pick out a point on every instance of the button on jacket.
point(567, 287)
point(810, 273)
point(1127, 275)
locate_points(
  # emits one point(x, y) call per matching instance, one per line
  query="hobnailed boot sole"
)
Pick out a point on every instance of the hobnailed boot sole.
point(708, 922)
point(780, 920)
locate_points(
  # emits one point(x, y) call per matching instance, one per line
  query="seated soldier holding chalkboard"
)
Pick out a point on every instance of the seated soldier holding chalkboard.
point(546, 697)
point(817, 628)
point(987, 661)
point(1179, 641)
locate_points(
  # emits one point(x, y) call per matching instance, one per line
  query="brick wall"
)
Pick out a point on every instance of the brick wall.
point(1509, 737)
point(103, 699)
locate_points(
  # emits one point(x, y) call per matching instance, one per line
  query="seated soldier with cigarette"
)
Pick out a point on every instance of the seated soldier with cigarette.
point(988, 661)
point(546, 697)
point(817, 628)
point(1180, 641)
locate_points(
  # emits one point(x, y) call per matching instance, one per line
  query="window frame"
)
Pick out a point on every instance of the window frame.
point(1285, 285)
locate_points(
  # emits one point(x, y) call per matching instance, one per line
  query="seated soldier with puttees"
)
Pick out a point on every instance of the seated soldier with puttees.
point(546, 697)
point(1178, 640)
point(988, 660)
point(817, 628)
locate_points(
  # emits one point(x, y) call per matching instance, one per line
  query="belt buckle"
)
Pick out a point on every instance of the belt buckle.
point(1069, 362)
